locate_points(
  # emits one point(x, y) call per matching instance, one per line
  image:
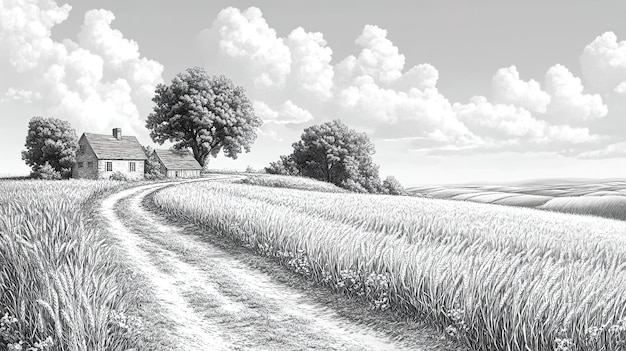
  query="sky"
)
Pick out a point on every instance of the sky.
point(449, 91)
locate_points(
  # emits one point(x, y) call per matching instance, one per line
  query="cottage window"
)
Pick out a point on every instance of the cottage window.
point(131, 166)
point(109, 166)
point(80, 165)
point(81, 150)
point(89, 164)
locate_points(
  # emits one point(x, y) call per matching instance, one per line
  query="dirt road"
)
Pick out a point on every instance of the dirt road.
point(214, 302)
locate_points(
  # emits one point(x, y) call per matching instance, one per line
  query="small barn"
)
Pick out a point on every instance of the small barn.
point(100, 155)
point(178, 164)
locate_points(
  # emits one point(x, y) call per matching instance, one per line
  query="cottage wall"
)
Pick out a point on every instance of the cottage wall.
point(89, 162)
point(122, 166)
point(182, 173)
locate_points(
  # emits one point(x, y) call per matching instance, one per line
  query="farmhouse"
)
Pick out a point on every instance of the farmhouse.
point(180, 164)
point(99, 156)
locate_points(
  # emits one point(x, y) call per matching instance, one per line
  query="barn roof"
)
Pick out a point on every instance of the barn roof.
point(174, 159)
point(108, 147)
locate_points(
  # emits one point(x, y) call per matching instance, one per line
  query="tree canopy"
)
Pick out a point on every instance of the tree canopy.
point(334, 153)
point(51, 146)
point(205, 113)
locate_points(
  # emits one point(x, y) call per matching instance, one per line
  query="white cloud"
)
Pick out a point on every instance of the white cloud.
point(312, 71)
point(379, 58)
point(97, 36)
point(120, 55)
point(373, 92)
point(612, 150)
point(508, 88)
point(26, 96)
point(388, 113)
point(603, 63)
point(263, 111)
point(569, 103)
point(245, 39)
point(509, 125)
point(621, 88)
point(289, 113)
point(423, 76)
point(25, 31)
point(100, 82)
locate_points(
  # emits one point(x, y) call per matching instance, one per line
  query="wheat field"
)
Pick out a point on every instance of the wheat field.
point(60, 286)
point(493, 277)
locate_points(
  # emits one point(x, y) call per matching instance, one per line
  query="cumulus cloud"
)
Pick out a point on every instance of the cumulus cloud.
point(568, 102)
point(246, 40)
point(508, 88)
point(515, 126)
point(423, 76)
point(397, 114)
point(293, 80)
point(379, 57)
point(312, 71)
point(96, 83)
point(289, 113)
point(603, 63)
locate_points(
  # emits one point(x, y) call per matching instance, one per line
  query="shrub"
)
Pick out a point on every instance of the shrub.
point(46, 172)
point(119, 176)
point(392, 186)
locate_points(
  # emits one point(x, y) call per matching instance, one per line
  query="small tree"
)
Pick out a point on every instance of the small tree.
point(206, 114)
point(392, 186)
point(334, 153)
point(51, 146)
point(284, 166)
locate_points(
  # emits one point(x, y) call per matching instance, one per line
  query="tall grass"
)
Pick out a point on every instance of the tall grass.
point(60, 287)
point(496, 278)
point(291, 182)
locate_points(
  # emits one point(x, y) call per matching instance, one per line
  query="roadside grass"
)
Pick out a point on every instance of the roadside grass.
point(291, 182)
point(254, 314)
point(492, 277)
point(405, 330)
point(62, 286)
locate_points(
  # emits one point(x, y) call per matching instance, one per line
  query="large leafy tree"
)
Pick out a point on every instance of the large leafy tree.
point(334, 153)
point(205, 113)
point(51, 146)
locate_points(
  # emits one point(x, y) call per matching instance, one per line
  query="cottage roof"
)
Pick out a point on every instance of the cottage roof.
point(174, 159)
point(109, 147)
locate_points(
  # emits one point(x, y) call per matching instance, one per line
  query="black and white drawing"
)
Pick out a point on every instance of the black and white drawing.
point(320, 175)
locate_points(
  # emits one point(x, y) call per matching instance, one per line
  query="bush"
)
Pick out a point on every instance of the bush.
point(119, 176)
point(392, 186)
point(46, 172)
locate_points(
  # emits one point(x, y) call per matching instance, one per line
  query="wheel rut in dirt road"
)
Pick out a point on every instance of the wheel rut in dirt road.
point(215, 302)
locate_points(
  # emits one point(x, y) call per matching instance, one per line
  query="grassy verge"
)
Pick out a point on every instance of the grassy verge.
point(291, 182)
point(63, 284)
point(495, 278)
point(406, 330)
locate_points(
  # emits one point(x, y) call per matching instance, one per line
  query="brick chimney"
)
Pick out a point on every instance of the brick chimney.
point(117, 133)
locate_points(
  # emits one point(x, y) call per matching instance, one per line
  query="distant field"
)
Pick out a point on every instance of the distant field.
point(590, 197)
point(494, 277)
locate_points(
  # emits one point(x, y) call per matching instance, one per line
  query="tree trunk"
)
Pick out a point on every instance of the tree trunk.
point(205, 163)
